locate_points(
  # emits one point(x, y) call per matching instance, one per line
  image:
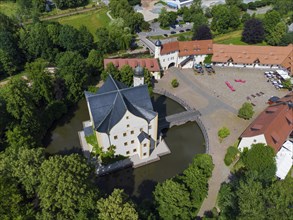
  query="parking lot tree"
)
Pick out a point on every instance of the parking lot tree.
point(253, 31)
point(116, 206)
point(174, 83)
point(172, 200)
point(223, 133)
point(287, 84)
point(203, 32)
point(66, 188)
point(167, 18)
point(246, 111)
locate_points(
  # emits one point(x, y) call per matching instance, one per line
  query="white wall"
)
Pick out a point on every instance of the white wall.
point(248, 141)
point(167, 59)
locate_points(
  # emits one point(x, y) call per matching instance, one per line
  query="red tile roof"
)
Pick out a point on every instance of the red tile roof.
point(275, 122)
point(250, 54)
point(149, 63)
point(187, 48)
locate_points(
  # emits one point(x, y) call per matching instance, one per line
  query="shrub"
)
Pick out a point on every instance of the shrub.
point(175, 83)
point(223, 133)
point(231, 154)
point(246, 111)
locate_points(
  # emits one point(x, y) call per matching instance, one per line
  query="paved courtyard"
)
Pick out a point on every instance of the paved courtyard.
point(219, 107)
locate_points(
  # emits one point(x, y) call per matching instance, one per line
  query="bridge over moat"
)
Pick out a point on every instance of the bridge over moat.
point(178, 119)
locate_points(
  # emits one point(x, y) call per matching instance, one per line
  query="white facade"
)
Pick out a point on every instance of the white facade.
point(137, 81)
point(246, 142)
point(124, 135)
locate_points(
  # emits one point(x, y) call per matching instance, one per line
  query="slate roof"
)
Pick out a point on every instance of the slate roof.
point(113, 99)
point(142, 136)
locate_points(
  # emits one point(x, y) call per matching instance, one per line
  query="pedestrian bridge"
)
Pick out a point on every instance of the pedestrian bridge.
point(178, 119)
point(148, 44)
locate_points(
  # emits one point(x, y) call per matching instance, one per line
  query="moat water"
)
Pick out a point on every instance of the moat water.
point(184, 142)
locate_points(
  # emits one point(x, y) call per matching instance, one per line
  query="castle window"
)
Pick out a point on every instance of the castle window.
point(144, 144)
point(141, 129)
point(150, 127)
point(127, 152)
point(127, 117)
point(115, 137)
point(125, 143)
point(124, 134)
point(128, 126)
point(144, 154)
point(132, 141)
point(132, 132)
point(134, 150)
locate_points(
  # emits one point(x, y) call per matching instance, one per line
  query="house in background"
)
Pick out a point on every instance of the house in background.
point(253, 56)
point(183, 54)
point(123, 117)
point(273, 127)
point(149, 63)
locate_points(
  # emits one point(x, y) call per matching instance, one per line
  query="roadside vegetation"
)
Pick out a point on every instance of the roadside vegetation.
point(174, 83)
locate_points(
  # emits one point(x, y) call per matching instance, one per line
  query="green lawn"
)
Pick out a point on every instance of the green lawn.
point(8, 8)
point(233, 38)
point(92, 20)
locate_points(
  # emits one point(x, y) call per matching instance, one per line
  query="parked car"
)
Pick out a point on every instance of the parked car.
point(173, 32)
point(181, 31)
point(187, 29)
point(166, 35)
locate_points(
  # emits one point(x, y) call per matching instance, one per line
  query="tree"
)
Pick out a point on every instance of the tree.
point(103, 41)
point(270, 20)
point(173, 200)
point(250, 199)
point(282, 6)
point(73, 69)
point(62, 4)
point(275, 36)
point(203, 32)
point(246, 111)
point(261, 158)
point(117, 207)
point(225, 18)
point(287, 84)
point(19, 137)
point(126, 73)
point(233, 2)
point(245, 17)
point(69, 38)
point(167, 18)
point(174, 83)
point(42, 86)
point(95, 61)
point(223, 133)
point(86, 41)
point(111, 69)
point(198, 20)
point(66, 189)
point(36, 43)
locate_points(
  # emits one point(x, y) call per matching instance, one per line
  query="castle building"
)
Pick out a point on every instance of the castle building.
point(183, 54)
point(124, 117)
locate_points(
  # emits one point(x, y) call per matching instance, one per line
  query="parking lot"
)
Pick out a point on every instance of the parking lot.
point(250, 85)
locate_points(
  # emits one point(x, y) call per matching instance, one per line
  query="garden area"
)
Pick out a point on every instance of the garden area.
point(92, 20)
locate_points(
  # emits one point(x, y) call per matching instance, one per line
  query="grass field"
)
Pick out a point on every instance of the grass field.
point(232, 38)
point(92, 20)
point(8, 8)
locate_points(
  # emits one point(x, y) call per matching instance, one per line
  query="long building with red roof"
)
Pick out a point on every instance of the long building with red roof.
point(253, 56)
point(272, 127)
point(149, 63)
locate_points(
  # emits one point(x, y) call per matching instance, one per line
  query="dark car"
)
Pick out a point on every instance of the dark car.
point(173, 32)
point(166, 35)
point(181, 31)
point(173, 26)
point(187, 29)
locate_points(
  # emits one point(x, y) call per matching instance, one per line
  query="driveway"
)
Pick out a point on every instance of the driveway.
point(219, 106)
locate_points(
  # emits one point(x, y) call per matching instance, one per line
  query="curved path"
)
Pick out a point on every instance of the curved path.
point(215, 113)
